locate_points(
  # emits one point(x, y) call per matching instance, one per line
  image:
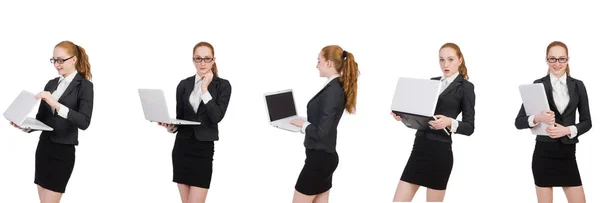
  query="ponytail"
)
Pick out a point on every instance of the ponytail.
point(349, 80)
point(348, 68)
point(83, 63)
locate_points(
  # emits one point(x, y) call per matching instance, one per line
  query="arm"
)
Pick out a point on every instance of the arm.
point(179, 106)
point(216, 108)
point(467, 125)
point(523, 121)
point(83, 116)
point(333, 102)
point(585, 120)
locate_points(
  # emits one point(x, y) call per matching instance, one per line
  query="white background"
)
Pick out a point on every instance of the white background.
point(268, 46)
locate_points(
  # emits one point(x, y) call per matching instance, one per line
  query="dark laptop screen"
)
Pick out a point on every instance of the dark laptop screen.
point(281, 105)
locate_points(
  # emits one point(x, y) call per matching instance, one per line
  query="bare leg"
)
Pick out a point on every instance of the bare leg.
point(40, 190)
point(50, 196)
point(435, 195)
point(575, 194)
point(197, 195)
point(302, 198)
point(322, 198)
point(544, 194)
point(405, 191)
point(184, 192)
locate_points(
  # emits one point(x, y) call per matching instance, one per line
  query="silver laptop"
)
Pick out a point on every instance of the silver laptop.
point(281, 109)
point(535, 101)
point(155, 108)
point(21, 107)
point(415, 101)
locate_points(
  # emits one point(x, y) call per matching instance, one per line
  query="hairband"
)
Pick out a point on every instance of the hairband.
point(344, 54)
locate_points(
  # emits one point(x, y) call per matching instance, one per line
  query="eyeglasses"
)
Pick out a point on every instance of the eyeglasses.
point(58, 60)
point(199, 60)
point(560, 60)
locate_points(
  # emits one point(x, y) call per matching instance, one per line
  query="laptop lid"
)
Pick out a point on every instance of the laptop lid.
point(154, 105)
point(20, 107)
point(416, 96)
point(280, 104)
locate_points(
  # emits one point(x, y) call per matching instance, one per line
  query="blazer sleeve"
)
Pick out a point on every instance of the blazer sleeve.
point(85, 99)
point(332, 103)
point(179, 101)
point(216, 108)
point(585, 120)
point(467, 125)
point(522, 120)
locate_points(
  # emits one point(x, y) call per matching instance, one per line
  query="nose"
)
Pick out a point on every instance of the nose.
point(446, 64)
point(56, 65)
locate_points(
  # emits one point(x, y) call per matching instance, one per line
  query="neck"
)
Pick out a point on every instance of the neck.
point(558, 76)
point(67, 74)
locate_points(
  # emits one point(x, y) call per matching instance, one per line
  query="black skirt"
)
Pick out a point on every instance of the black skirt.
point(554, 165)
point(317, 173)
point(192, 162)
point(430, 164)
point(53, 164)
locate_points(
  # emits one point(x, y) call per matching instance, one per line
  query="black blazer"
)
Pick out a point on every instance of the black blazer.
point(209, 115)
point(79, 98)
point(324, 112)
point(578, 99)
point(458, 97)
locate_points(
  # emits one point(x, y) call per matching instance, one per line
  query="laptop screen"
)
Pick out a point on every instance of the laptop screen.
point(281, 105)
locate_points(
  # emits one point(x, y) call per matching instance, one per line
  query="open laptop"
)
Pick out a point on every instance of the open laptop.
point(535, 101)
point(21, 107)
point(281, 109)
point(155, 109)
point(415, 101)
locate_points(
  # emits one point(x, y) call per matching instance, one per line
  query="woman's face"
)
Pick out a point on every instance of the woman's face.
point(203, 60)
point(449, 61)
point(557, 60)
point(63, 62)
point(324, 66)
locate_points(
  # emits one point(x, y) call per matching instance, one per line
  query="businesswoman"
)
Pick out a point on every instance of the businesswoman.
point(431, 160)
point(66, 106)
point(554, 163)
point(324, 112)
point(203, 97)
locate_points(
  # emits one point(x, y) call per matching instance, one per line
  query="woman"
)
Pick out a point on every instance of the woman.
point(554, 163)
point(324, 112)
point(67, 103)
point(431, 160)
point(202, 97)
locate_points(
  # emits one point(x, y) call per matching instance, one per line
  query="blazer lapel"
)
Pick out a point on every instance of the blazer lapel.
point(322, 89)
point(572, 95)
point(548, 88)
point(187, 91)
point(75, 83)
point(459, 79)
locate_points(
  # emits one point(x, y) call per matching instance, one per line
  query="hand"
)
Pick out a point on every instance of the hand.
point(169, 127)
point(398, 118)
point(18, 127)
point(47, 96)
point(206, 79)
point(441, 122)
point(297, 122)
point(546, 116)
point(557, 131)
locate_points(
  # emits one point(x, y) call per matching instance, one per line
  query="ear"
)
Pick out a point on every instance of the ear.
point(74, 60)
point(329, 64)
point(460, 61)
point(214, 59)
